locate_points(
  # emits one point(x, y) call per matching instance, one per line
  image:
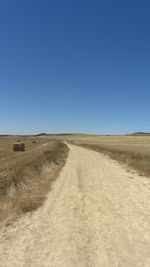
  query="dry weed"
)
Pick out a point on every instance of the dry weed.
point(24, 184)
point(137, 161)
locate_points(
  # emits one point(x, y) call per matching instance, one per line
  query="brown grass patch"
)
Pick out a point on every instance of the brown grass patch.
point(25, 180)
point(137, 161)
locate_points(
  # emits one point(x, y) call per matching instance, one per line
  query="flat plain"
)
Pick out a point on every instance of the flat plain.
point(96, 213)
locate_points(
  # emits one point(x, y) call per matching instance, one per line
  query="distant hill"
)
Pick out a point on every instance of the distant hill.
point(139, 133)
point(41, 134)
point(4, 135)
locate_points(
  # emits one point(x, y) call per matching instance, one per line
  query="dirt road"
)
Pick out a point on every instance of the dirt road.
point(97, 215)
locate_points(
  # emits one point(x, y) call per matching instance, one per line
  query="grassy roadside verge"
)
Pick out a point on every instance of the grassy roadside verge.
point(136, 161)
point(25, 183)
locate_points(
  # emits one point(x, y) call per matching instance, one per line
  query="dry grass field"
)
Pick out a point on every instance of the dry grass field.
point(24, 182)
point(25, 177)
point(97, 213)
point(134, 151)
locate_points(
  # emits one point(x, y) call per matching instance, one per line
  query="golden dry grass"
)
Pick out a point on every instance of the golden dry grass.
point(24, 180)
point(134, 151)
point(26, 177)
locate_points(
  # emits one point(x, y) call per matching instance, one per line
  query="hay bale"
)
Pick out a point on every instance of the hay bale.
point(19, 147)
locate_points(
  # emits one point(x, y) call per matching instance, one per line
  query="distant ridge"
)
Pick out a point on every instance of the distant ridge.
point(41, 134)
point(4, 135)
point(139, 133)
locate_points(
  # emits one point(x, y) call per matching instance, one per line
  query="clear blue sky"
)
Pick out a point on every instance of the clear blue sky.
point(74, 66)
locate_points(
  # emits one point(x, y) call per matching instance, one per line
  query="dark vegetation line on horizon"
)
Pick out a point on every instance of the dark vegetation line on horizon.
point(61, 134)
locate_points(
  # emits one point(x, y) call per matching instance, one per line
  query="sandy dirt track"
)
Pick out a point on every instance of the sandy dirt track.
point(96, 215)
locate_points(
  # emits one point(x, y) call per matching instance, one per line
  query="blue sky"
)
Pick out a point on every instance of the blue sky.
point(74, 66)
